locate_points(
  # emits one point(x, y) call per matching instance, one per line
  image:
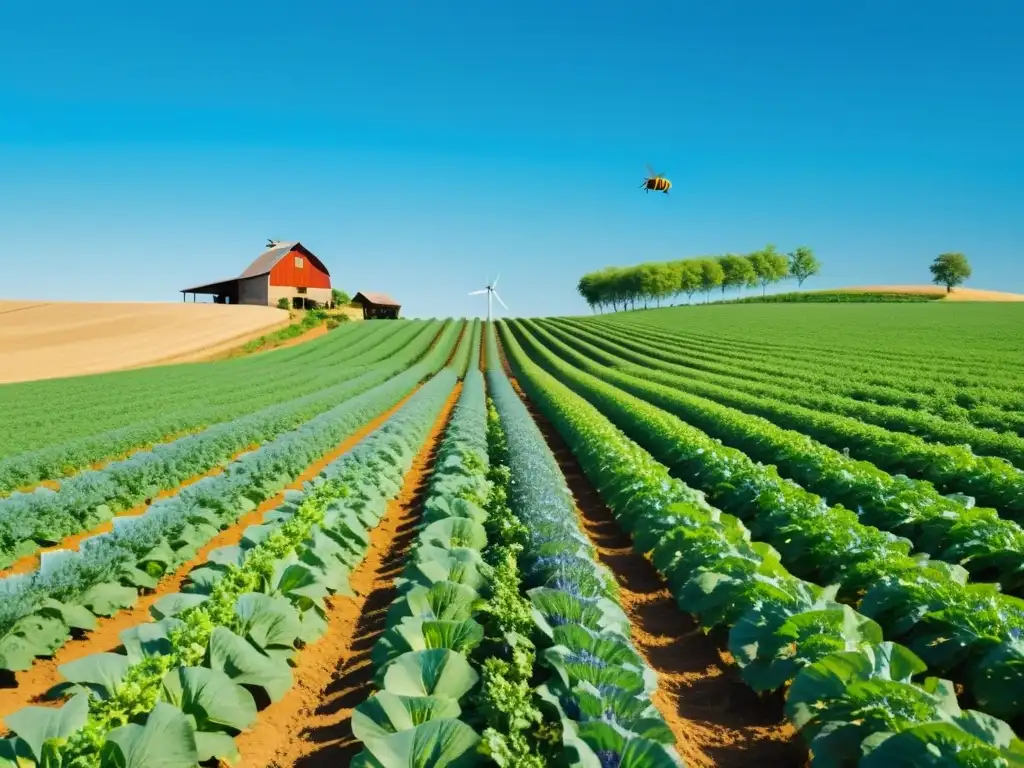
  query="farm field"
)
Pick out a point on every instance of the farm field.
point(781, 534)
point(50, 339)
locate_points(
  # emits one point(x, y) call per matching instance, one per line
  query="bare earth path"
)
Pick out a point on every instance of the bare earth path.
point(716, 719)
point(311, 725)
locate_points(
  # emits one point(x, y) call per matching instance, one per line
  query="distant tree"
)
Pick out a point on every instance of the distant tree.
point(950, 269)
point(588, 289)
point(769, 265)
point(711, 276)
point(283, 303)
point(666, 280)
point(690, 278)
point(803, 264)
point(737, 272)
point(339, 298)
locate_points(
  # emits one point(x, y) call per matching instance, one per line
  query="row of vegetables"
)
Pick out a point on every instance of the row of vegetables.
point(959, 395)
point(950, 529)
point(593, 684)
point(966, 631)
point(968, 367)
point(29, 521)
point(40, 610)
point(856, 698)
point(992, 480)
point(192, 679)
point(126, 416)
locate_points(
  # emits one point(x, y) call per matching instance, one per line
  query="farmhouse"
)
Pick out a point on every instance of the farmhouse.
point(377, 306)
point(284, 271)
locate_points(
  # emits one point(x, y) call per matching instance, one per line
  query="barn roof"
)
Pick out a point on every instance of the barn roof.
point(266, 260)
point(380, 299)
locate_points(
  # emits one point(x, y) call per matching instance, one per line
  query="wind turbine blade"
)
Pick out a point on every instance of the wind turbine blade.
point(499, 300)
point(474, 293)
point(495, 283)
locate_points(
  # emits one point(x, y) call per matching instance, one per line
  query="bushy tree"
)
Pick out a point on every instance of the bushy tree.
point(950, 269)
point(770, 266)
point(339, 298)
point(803, 264)
point(711, 276)
point(689, 277)
point(737, 272)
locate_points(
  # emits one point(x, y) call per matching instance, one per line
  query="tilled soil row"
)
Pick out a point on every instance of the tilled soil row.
point(311, 725)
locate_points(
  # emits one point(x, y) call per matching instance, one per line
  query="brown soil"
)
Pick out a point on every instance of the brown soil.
point(311, 725)
point(716, 719)
point(29, 686)
point(31, 562)
point(42, 340)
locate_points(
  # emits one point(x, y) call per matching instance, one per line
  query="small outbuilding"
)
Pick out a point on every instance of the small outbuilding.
point(287, 271)
point(377, 306)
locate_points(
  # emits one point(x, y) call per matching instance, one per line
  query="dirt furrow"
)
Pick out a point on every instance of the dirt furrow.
point(716, 719)
point(311, 725)
point(29, 687)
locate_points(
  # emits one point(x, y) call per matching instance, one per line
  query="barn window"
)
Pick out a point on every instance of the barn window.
point(300, 290)
point(298, 262)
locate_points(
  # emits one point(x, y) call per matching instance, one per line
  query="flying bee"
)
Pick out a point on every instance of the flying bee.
point(656, 181)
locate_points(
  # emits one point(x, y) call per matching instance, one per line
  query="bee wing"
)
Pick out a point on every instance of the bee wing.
point(650, 171)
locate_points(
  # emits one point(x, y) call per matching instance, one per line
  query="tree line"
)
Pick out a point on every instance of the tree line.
point(623, 287)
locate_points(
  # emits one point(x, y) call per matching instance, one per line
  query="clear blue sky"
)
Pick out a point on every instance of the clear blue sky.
point(419, 148)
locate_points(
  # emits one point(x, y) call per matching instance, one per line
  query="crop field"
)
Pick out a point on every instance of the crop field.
point(779, 535)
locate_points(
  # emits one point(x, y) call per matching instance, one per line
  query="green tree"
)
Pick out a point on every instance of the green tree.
point(950, 269)
point(803, 264)
point(690, 277)
point(737, 272)
point(770, 266)
point(283, 303)
point(587, 287)
point(667, 280)
point(339, 298)
point(711, 276)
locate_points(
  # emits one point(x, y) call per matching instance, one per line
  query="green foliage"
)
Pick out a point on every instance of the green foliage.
point(711, 275)
point(950, 269)
point(283, 303)
point(769, 265)
point(340, 298)
point(850, 692)
point(622, 287)
point(803, 264)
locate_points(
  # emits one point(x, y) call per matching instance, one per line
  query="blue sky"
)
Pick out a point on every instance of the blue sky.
point(418, 148)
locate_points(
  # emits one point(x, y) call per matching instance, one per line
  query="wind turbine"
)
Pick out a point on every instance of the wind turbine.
point(489, 290)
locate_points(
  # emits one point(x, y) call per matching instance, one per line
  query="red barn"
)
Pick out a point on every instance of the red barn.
point(284, 271)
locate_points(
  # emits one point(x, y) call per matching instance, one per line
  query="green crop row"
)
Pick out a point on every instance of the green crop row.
point(946, 528)
point(599, 689)
point(851, 694)
point(952, 468)
point(58, 443)
point(903, 387)
point(29, 521)
point(428, 661)
point(186, 683)
point(963, 630)
point(41, 609)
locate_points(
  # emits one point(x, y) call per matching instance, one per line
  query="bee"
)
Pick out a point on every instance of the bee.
point(656, 181)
